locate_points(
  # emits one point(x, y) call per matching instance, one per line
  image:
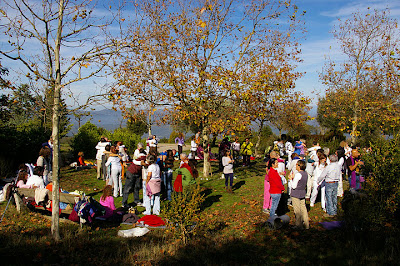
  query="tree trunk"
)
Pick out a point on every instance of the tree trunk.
point(256, 148)
point(354, 126)
point(55, 218)
point(149, 120)
point(207, 165)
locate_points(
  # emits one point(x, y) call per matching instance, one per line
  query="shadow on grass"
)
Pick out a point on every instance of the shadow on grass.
point(286, 246)
point(209, 201)
point(77, 246)
point(238, 185)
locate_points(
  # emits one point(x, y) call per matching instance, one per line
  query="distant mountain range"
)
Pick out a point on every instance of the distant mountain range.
point(111, 120)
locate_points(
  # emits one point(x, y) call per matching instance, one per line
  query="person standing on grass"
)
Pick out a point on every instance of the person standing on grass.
point(184, 176)
point(331, 176)
point(235, 146)
point(246, 151)
point(193, 148)
point(276, 186)
point(116, 170)
point(153, 187)
point(167, 173)
point(180, 140)
point(299, 186)
point(153, 142)
point(133, 179)
point(354, 163)
point(267, 196)
point(227, 163)
point(44, 161)
point(100, 147)
point(320, 165)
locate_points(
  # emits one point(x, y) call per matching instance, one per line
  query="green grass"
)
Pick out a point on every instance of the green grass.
point(234, 232)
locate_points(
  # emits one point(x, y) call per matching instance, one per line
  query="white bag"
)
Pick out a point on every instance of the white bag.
point(137, 231)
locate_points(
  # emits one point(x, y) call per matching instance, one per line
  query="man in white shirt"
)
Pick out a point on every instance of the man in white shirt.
point(153, 145)
point(100, 147)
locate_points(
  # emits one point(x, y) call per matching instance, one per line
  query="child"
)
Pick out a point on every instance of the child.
point(298, 195)
point(107, 201)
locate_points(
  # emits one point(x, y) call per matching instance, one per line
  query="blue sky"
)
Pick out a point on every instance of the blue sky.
point(320, 19)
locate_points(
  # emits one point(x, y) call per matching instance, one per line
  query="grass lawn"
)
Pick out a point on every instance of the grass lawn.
point(235, 233)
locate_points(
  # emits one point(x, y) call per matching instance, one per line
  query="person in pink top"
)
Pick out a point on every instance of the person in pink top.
point(107, 200)
point(22, 178)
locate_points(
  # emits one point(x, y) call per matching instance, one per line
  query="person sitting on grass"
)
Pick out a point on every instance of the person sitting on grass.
point(298, 195)
point(22, 179)
point(36, 180)
point(81, 161)
point(107, 201)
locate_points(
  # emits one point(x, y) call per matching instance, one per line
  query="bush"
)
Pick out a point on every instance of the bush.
point(87, 138)
point(174, 134)
point(182, 212)
point(20, 145)
point(377, 205)
point(129, 139)
point(382, 171)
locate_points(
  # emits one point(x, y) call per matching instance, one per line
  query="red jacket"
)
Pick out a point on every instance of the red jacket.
point(275, 182)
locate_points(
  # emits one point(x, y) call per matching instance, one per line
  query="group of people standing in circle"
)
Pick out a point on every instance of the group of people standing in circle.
point(147, 169)
point(311, 171)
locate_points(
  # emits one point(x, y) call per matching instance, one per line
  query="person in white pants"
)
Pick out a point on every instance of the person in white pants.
point(116, 169)
point(341, 155)
point(153, 174)
point(319, 168)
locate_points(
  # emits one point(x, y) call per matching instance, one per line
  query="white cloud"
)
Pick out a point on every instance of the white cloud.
point(362, 6)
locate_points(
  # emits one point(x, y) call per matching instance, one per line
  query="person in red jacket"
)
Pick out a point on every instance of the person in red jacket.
point(276, 186)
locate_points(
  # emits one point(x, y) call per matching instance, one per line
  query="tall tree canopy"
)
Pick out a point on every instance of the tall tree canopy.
point(362, 92)
point(209, 61)
point(55, 44)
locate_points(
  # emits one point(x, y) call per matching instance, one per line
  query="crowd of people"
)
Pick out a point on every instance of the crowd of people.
point(307, 171)
point(311, 171)
point(148, 170)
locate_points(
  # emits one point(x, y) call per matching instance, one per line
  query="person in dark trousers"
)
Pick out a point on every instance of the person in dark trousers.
point(133, 179)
